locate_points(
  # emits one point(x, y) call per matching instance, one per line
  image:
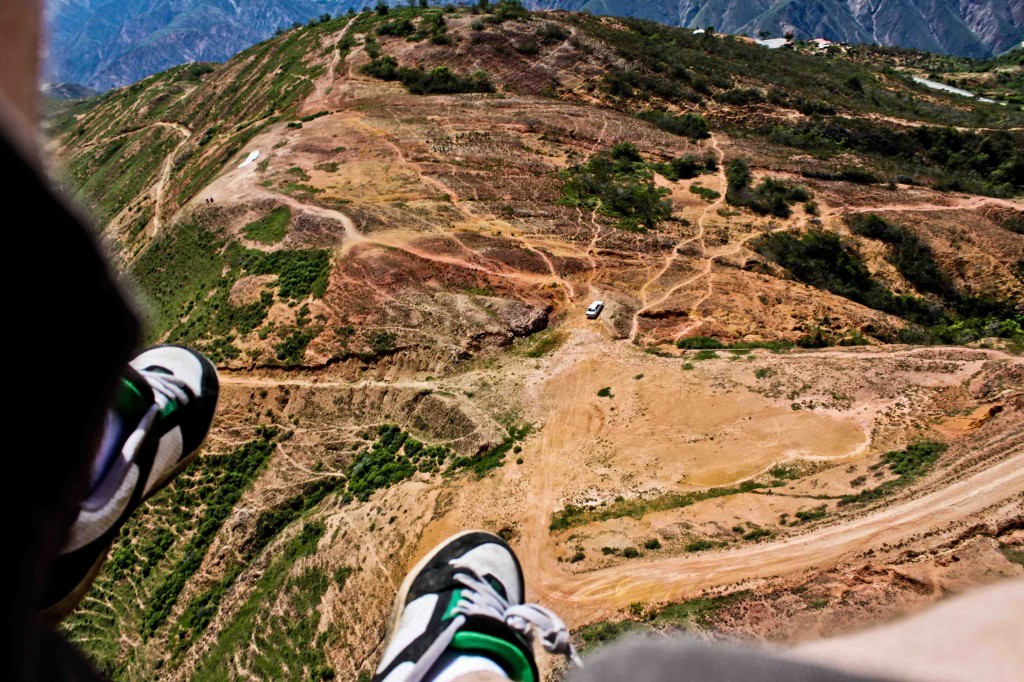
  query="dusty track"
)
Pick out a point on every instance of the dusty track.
point(679, 577)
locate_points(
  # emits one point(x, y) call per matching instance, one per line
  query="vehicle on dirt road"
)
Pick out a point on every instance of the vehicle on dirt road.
point(594, 311)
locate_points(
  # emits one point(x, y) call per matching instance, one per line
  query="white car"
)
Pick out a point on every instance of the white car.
point(594, 311)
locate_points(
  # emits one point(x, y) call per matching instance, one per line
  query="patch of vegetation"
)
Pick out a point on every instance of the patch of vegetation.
point(192, 249)
point(1013, 554)
point(763, 372)
point(201, 610)
point(495, 457)
point(605, 392)
point(652, 544)
point(807, 515)
point(757, 533)
point(631, 552)
point(437, 81)
point(705, 355)
point(540, 344)
point(704, 193)
point(387, 462)
point(958, 160)
point(692, 614)
point(301, 273)
point(327, 167)
point(693, 126)
point(271, 228)
point(222, 481)
point(292, 348)
point(552, 32)
point(699, 343)
point(771, 197)
point(617, 183)
point(822, 260)
point(292, 647)
point(111, 175)
point(687, 166)
point(711, 343)
point(700, 545)
point(573, 515)
point(908, 464)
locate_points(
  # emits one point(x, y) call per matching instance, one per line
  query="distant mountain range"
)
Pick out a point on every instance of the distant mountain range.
point(109, 43)
point(970, 28)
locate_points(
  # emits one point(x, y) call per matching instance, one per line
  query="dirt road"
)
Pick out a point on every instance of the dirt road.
point(678, 577)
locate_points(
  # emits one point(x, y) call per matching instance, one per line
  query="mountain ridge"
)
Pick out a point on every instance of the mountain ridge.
point(117, 42)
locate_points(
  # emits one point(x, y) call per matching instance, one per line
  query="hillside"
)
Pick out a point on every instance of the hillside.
point(116, 42)
point(813, 270)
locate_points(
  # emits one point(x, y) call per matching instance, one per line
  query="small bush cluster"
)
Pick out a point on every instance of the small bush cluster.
point(419, 81)
point(771, 197)
point(393, 458)
point(618, 184)
point(271, 228)
point(908, 464)
point(691, 125)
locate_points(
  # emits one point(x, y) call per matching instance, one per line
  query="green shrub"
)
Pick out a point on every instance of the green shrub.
point(704, 192)
point(618, 184)
point(439, 80)
point(700, 545)
point(756, 534)
point(631, 552)
point(528, 48)
point(271, 228)
point(301, 273)
point(693, 126)
point(605, 392)
point(292, 349)
point(771, 197)
point(552, 32)
point(699, 342)
point(908, 464)
point(814, 514)
point(653, 543)
point(495, 457)
point(401, 27)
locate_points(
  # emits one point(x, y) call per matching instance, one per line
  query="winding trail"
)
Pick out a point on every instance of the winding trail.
point(646, 304)
point(160, 188)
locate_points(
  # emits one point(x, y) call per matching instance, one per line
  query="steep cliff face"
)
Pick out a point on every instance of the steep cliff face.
point(109, 43)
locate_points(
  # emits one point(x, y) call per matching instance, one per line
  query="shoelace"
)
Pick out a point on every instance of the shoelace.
point(479, 598)
point(167, 388)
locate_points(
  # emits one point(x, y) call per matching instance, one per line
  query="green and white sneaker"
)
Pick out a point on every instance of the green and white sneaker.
point(466, 598)
point(161, 414)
